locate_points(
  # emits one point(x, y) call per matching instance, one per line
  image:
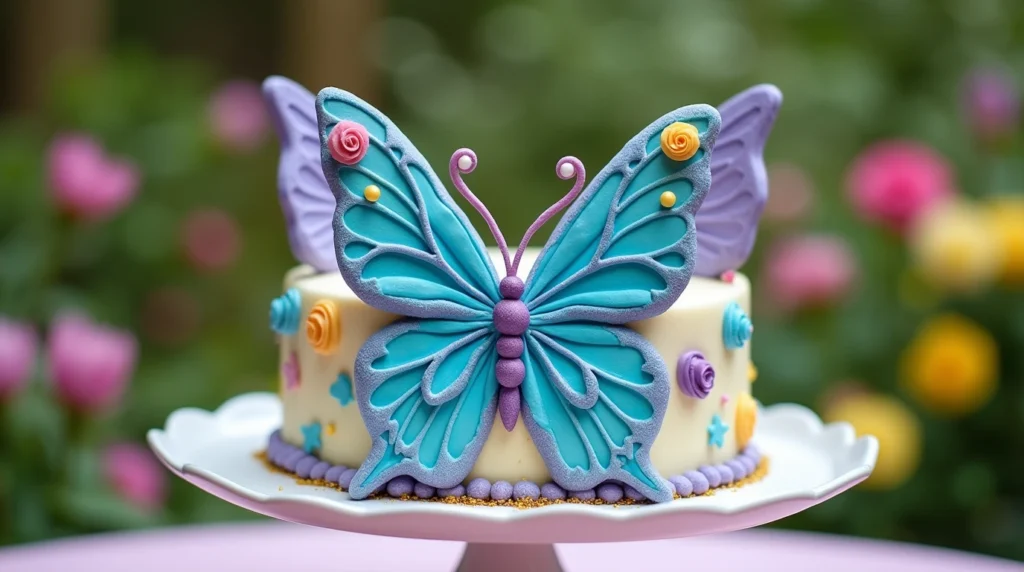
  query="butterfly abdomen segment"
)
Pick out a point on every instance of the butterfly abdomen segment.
point(511, 318)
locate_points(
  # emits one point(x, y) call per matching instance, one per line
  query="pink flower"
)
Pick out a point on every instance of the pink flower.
point(893, 182)
point(791, 194)
point(85, 182)
point(18, 349)
point(211, 239)
point(810, 270)
point(135, 474)
point(90, 363)
point(238, 115)
point(348, 142)
point(991, 103)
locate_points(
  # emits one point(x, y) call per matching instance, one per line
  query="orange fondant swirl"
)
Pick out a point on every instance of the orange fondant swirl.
point(323, 327)
point(680, 141)
point(746, 419)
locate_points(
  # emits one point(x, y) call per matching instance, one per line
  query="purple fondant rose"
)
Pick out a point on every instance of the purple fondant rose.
point(695, 375)
point(348, 142)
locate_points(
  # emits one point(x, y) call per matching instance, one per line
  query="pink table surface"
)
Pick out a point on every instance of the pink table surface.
point(282, 547)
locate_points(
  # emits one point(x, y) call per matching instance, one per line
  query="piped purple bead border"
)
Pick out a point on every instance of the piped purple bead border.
point(288, 457)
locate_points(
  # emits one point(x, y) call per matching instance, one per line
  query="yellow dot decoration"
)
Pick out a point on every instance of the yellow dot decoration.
point(331, 429)
point(746, 419)
point(668, 199)
point(323, 327)
point(680, 141)
point(371, 193)
point(751, 372)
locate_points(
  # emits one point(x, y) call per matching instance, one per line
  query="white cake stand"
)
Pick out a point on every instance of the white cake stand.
point(810, 463)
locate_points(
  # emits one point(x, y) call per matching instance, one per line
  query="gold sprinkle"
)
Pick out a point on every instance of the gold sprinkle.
point(371, 193)
point(668, 199)
point(331, 428)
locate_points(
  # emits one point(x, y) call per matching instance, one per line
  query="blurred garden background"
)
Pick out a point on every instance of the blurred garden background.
point(141, 239)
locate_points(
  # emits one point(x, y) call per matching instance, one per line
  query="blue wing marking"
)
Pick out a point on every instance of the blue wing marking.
point(428, 396)
point(618, 255)
point(413, 252)
point(609, 435)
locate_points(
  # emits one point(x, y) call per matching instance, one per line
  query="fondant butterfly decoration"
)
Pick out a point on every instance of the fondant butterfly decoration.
point(473, 345)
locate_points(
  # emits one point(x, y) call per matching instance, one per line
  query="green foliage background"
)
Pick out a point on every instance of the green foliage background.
point(522, 84)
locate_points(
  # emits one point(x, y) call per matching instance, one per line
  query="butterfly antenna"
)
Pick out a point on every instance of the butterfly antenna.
point(566, 168)
point(464, 161)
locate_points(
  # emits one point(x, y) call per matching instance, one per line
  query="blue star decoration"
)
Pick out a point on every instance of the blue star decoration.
point(716, 431)
point(311, 437)
point(342, 389)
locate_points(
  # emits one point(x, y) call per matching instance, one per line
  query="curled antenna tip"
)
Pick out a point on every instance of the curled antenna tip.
point(566, 167)
point(465, 159)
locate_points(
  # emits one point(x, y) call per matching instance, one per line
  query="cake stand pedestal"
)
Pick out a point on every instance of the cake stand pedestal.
point(809, 463)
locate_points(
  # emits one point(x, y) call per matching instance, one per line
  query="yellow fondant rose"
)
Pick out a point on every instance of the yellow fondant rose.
point(951, 366)
point(897, 429)
point(323, 327)
point(680, 141)
point(746, 419)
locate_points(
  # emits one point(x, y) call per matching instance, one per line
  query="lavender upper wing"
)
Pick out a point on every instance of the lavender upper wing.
point(306, 200)
point(727, 221)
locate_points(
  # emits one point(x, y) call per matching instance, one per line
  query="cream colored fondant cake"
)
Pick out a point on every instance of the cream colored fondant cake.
point(693, 323)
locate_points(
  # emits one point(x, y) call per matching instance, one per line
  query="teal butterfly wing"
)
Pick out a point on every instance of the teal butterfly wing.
point(412, 251)
point(425, 385)
point(594, 395)
point(594, 416)
point(618, 255)
point(430, 405)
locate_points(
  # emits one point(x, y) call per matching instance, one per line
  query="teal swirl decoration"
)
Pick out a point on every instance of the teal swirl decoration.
point(285, 311)
point(736, 327)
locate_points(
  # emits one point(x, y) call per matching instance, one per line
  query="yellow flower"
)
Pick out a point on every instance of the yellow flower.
point(323, 327)
point(950, 368)
point(680, 141)
point(955, 247)
point(1006, 218)
point(897, 429)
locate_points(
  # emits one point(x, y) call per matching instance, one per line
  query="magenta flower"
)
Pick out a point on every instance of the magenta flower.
point(87, 183)
point(991, 103)
point(348, 142)
point(893, 182)
point(211, 239)
point(90, 364)
point(18, 349)
point(809, 271)
point(238, 115)
point(135, 474)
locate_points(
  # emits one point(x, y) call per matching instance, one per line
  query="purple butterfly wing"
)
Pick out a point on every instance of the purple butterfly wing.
point(727, 221)
point(306, 199)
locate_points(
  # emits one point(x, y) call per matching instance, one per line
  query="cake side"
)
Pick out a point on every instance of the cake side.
point(319, 395)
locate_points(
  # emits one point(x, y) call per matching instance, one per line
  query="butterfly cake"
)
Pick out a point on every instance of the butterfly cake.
point(611, 364)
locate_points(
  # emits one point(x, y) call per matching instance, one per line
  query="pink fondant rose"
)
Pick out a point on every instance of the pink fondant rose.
point(348, 142)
